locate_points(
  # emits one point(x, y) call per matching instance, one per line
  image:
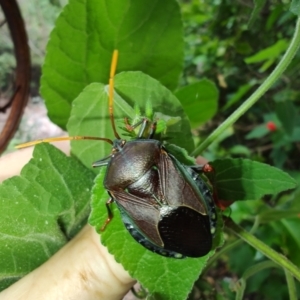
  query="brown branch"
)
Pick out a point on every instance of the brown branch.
point(22, 81)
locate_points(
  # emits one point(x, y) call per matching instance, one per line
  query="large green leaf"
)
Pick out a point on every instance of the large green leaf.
point(85, 35)
point(41, 210)
point(165, 278)
point(90, 116)
point(243, 179)
point(199, 100)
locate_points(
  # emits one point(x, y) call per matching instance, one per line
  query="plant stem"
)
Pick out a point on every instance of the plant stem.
point(240, 290)
point(277, 72)
point(291, 285)
point(263, 248)
point(258, 268)
point(229, 247)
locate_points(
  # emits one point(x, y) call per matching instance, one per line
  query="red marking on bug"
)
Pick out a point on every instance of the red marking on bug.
point(207, 168)
point(222, 204)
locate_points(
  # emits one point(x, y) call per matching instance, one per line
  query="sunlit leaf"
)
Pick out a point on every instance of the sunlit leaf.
point(85, 35)
point(90, 115)
point(270, 53)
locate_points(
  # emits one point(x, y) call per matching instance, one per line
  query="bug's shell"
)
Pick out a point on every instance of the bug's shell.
point(165, 205)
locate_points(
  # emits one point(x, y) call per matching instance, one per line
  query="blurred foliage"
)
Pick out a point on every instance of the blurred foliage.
point(39, 17)
point(7, 64)
point(221, 46)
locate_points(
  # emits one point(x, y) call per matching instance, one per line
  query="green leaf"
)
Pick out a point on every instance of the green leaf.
point(243, 89)
point(258, 132)
point(170, 278)
point(266, 65)
point(85, 35)
point(292, 238)
point(295, 7)
point(199, 100)
point(270, 53)
point(296, 134)
point(240, 150)
point(258, 6)
point(137, 88)
point(279, 156)
point(90, 116)
point(41, 210)
point(243, 179)
point(287, 114)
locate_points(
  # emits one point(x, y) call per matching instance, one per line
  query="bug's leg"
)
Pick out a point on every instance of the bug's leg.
point(144, 122)
point(101, 162)
point(143, 128)
point(109, 213)
point(140, 294)
point(132, 127)
point(152, 130)
point(206, 168)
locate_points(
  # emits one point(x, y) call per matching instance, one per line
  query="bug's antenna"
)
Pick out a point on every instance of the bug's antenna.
point(111, 114)
point(64, 138)
point(113, 67)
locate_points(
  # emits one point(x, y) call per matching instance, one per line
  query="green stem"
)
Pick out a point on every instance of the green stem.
point(250, 272)
point(291, 285)
point(263, 248)
point(277, 72)
point(258, 268)
point(229, 247)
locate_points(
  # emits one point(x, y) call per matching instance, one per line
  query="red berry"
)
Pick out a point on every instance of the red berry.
point(271, 126)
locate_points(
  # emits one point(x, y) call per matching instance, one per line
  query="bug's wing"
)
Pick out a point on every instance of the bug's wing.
point(178, 188)
point(143, 212)
point(185, 228)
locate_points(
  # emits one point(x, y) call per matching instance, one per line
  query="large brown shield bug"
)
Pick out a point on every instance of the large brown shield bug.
point(165, 205)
